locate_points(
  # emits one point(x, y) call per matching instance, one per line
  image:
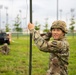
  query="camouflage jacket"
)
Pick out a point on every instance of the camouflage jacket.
point(58, 49)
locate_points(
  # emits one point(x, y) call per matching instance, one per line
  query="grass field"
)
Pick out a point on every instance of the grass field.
point(17, 62)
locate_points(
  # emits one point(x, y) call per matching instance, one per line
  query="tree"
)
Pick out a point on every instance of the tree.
point(37, 26)
point(17, 25)
point(46, 26)
point(72, 23)
point(7, 28)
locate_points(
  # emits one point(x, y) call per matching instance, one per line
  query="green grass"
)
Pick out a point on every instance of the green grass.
point(17, 62)
point(72, 58)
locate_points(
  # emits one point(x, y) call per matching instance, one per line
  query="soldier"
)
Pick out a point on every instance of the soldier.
point(58, 47)
point(5, 49)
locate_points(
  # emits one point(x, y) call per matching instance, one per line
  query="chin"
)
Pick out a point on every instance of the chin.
point(56, 38)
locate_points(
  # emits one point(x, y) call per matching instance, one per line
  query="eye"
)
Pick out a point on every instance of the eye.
point(53, 29)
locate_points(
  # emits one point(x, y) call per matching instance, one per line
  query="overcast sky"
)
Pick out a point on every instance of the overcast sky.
point(42, 9)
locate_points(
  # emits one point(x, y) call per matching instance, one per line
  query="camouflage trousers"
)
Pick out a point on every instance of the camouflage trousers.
point(56, 73)
point(56, 68)
point(52, 73)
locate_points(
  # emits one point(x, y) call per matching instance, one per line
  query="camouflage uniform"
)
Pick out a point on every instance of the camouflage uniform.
point(5, 49)
point(58, 49)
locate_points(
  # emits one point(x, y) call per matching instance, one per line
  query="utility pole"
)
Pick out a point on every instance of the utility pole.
point(6, 16)
point(57, 8)
point(0, 15)
point(20, 18)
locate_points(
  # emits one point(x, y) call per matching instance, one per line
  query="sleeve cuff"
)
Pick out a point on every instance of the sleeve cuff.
point(31, 31)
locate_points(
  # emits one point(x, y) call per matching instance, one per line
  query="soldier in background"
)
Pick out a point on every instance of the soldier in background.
point(5, 49)
point(58, 47)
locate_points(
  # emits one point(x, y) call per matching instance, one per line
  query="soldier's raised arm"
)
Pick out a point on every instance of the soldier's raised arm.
point(42, 44)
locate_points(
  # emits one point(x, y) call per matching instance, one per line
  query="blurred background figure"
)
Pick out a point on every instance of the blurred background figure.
point(5, 49)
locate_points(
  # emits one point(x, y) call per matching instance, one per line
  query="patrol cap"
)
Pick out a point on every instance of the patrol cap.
point(59, 24)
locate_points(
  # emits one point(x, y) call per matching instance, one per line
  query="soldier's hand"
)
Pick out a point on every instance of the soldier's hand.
point(30, 26)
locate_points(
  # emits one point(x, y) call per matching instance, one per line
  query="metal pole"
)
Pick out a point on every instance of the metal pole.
point(20, 17)
point(57, 10)
point(30, 56)
point(0, 19)
point(0, 15)
point(6, 16)
point(7, 19)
